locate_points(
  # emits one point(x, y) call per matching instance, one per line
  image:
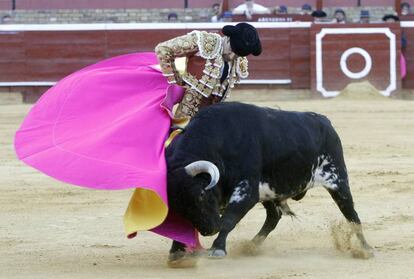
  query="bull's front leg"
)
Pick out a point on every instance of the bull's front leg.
point(273, 216)
point(244, 197)
point(179, 256)
point(177, 251)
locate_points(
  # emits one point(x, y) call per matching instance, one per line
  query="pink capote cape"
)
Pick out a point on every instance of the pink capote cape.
point(104, 127)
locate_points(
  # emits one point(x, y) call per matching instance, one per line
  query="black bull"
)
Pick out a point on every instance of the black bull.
point(232, 156)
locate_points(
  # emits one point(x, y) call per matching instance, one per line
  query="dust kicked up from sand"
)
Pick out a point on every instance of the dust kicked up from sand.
point(345, 240)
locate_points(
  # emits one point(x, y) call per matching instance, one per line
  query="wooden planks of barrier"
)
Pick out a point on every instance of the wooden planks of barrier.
point(45, 56)
point(353, 53)
point(35, 57)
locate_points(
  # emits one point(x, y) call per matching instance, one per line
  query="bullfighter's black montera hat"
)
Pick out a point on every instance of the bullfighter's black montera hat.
point(244, 39)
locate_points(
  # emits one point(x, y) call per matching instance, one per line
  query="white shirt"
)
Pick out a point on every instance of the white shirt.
point(257, 9)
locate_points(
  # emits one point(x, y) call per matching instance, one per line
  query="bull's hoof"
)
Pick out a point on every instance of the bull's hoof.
point(365, 252)
point(216, 253)
point(181, 259)
point(258, 240)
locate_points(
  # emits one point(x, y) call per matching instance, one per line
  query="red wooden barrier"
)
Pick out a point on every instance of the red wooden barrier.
point(5, 4)
point(355, 52)
point(32, 56)
point(408, 32)
point(50, 55)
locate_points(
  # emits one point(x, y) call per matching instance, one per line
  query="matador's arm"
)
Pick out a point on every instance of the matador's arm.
point(178, 47)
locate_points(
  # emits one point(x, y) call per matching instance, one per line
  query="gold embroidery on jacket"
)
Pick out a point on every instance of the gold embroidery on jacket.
point(209, 46)
point(242, 67)
point(178, 47)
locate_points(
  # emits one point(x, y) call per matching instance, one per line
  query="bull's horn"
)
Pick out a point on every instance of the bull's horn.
point(204, 167)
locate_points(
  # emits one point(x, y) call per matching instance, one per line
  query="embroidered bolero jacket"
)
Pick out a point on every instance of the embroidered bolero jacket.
point(209, 47)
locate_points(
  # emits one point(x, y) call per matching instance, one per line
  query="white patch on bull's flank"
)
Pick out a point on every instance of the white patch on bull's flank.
point(237, 195)
point(323, 174)
point(265, 193)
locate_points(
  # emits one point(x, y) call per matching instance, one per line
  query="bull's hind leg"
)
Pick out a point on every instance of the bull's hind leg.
point(343, 198)
point(272, 218)
point(331, 172)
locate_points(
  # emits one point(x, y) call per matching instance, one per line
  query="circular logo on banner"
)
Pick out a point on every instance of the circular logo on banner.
point(365, 55)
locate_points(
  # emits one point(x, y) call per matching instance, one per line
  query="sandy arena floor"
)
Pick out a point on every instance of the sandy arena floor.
point(52, 230)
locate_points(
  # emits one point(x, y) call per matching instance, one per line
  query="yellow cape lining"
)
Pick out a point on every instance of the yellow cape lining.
point(146, 210)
